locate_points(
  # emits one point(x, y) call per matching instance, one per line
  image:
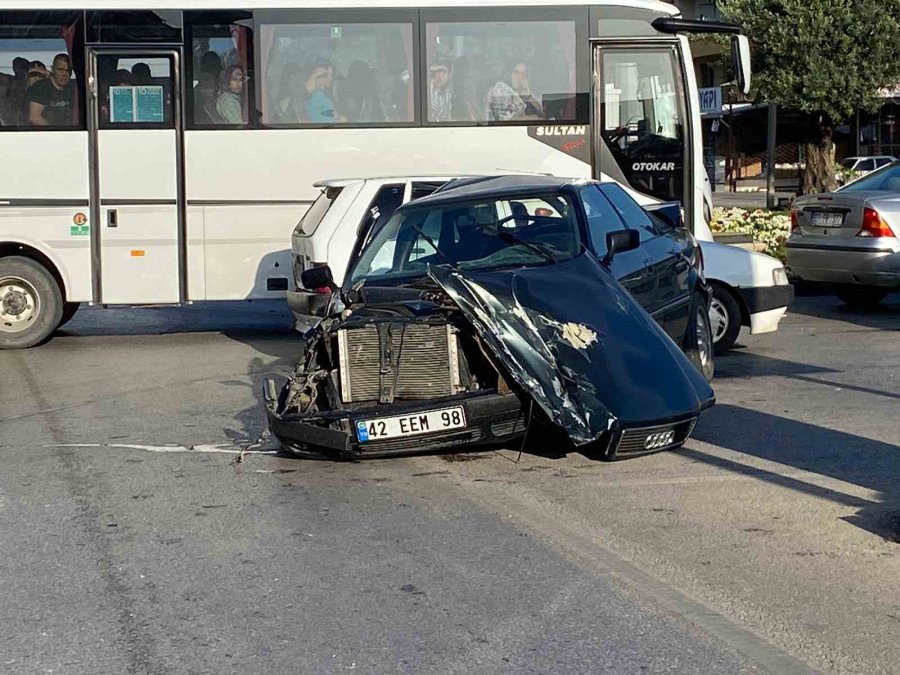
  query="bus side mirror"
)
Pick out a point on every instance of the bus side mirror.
point(740, 53)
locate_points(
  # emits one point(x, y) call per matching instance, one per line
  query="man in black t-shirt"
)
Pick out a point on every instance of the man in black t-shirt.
point(51, 102)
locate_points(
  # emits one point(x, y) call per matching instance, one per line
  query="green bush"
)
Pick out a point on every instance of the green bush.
point(770, 228)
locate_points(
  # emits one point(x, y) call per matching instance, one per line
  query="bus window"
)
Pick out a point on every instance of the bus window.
point(220, 79)
point(135, 91)
point(643, 119)
point(41, 70)
point(336, 73)
point(501, 71)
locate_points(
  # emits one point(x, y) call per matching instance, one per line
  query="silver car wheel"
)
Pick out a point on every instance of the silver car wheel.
point(704, 337)
point(718, 319)
point(19, 305)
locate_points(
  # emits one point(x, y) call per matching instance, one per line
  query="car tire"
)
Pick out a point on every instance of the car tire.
point(69, 309)
point(31, 304)
point(698, 344)
point(861, 297)
point(725, 319)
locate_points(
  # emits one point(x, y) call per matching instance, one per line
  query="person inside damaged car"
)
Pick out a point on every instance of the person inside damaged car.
point(485, 308)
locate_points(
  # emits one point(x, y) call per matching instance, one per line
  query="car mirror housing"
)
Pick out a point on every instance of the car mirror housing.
point(318, 277)
point(619, 242)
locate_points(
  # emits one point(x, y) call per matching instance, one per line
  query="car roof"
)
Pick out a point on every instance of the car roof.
point(488, 186)
point(344, 182)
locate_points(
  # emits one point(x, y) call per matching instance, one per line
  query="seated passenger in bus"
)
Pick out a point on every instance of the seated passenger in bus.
point(51, 101)
point(358, 96)
point(141, 75)
point(513, 100)
point(440, 94)
point(12, 92)
point(206, 91)
point(230, 103)
point(319, 107)
point(291, 95)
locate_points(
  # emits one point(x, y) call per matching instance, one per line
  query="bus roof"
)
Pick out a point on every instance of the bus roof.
point(653, 5)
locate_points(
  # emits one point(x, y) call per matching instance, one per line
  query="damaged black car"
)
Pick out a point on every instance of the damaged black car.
point(501, 303)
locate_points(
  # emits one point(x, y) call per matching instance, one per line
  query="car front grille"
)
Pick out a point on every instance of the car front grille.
point(653, 439)
point(410, 361)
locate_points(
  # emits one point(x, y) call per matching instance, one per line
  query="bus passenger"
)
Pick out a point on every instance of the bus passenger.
point(230, 104)
point(513, 100)
point(319, 105)
point(206, 91)
point(39, 67)
point(291, 95)
point(141, 75)
point(440, 93)
point(358, 95)
point(51, 101)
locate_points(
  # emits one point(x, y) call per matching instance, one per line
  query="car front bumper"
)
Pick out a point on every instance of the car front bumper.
point(766, 305)
point(490, 419)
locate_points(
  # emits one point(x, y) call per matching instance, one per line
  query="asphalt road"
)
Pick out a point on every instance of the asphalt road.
point(132, 541)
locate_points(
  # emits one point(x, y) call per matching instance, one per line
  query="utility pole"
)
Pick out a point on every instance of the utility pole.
point(770, 156)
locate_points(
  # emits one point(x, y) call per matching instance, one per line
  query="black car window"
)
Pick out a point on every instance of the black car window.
point(602, 218)
point(881, 161)
point(492, 233)
point(631, 212)
point(388, 199)
point(866, 165)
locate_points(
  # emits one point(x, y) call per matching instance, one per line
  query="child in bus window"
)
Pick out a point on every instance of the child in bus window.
point(230, 103)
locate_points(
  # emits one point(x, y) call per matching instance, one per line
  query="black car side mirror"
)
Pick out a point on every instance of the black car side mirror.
point(619, 242)
point(318, 277)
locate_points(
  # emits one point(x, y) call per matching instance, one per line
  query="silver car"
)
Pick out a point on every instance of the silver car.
point(849, 238)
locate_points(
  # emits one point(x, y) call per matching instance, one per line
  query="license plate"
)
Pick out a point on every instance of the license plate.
point(824, 219)
point(411, 425)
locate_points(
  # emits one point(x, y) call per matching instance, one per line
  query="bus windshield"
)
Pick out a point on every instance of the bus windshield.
point(484, 234)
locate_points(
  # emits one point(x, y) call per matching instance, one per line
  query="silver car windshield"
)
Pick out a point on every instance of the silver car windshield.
point(483, 234)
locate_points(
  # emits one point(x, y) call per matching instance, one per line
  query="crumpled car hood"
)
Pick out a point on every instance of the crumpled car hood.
point(579, 344)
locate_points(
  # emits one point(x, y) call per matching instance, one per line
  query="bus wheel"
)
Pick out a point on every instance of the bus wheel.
point(31, 303)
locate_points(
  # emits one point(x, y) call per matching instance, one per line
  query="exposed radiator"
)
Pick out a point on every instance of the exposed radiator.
point(386, 361)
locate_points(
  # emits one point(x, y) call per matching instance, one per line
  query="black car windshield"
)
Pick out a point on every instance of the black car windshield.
point(530, 229)
point(886, 178)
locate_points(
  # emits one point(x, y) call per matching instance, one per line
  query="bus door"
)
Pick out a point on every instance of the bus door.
point(640, 119)
point(137, 195)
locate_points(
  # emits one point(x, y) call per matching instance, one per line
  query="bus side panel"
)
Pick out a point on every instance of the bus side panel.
point(247, 250)
point(237, 178)
point(44, 192)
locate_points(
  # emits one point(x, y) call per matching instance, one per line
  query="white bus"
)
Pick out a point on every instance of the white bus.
point(165, 156)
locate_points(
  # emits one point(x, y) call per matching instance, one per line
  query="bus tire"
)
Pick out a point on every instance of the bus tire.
point(31, 304)
point(69, 309)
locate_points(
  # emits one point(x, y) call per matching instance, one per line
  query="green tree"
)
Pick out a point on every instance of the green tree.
point(825, 58)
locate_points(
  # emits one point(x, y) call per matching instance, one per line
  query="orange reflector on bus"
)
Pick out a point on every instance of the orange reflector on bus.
point(137, 253)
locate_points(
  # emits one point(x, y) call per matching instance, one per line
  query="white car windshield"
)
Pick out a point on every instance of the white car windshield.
point(480, 234)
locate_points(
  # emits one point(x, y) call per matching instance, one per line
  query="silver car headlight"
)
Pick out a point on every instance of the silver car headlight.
point(780, 277)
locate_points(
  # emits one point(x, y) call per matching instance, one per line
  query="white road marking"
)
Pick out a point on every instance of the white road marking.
point(205, 449)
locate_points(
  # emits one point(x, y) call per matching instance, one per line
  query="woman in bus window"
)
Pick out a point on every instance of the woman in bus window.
point(291, 95)
point(230, 103)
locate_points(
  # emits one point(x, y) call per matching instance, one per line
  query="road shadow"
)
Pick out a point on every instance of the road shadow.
point(854, 459)
point(822, 304)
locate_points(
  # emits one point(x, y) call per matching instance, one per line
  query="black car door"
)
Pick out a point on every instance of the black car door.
point(630, 268)
point(665, 254)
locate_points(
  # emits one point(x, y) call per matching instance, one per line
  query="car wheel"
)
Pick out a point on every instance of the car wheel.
point(69, 309)
point(30, 303)
point(724, 319)
point(861, 297)
point(698, 341)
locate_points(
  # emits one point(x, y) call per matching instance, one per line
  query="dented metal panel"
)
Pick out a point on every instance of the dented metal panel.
point(593, 362)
